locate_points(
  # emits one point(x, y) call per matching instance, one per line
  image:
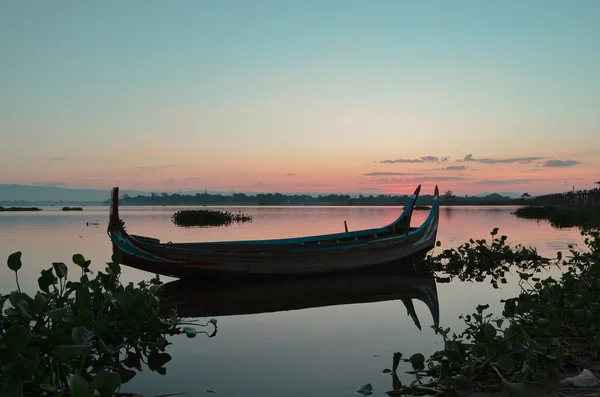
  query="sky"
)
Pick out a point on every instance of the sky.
point(297, 96)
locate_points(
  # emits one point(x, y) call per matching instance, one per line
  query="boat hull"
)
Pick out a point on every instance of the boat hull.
point(345, 252)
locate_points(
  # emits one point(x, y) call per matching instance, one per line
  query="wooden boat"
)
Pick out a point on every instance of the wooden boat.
point(338, 252)
point(210, 298)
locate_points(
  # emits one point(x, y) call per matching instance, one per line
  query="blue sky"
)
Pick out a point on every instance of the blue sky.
point(239, 94)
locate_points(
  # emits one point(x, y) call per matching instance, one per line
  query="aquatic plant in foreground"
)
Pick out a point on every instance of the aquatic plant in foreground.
point(82, 338)
point(208, 218)
point(587, 216)
point(552, 327)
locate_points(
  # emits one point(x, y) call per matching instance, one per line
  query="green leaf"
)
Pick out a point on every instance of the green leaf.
point(189, 332)
point(106, 382)
point(68, 352)
point(116, 269)
point(125, 299)
point(79, 260)
point(514, 389)
point(80, 335)
point(86, 319)
point(460, 380)
point(16, 338)
point(418, 361)
point(60, 269)
point(14, 261)
point(490, 330)
point(94, 285)
point(481, 308)
point(505, 363)
point(46, 280)
point(58, 314)
point(82, 298)
point(387, 371)
point(78, 386)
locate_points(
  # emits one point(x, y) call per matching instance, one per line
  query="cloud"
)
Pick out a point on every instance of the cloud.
point(521, 160)
point(423, 159)
point(170, 180)
point(453, 168)
point(58, 159)
point(503, 182)
point(561, 163)
point(290, 174)
point(380, 181)
point(391, 173)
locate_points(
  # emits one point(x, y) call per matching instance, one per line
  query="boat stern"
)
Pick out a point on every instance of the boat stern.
point(113, 216)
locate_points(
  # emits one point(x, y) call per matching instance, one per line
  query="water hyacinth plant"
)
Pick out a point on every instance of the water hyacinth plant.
point(550, 331)
point(208, 218)
point(85, 337)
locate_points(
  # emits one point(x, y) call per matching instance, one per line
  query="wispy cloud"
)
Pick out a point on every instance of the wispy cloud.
point(453, 168)
point(385, 181)
point(520, 160)
point(290, 174)
point(391, 173)
point(58, 159)
point(561, 163)
point(503, 182)
point(422, 159)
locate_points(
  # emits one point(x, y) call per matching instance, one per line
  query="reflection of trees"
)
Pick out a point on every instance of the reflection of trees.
point(448, 212)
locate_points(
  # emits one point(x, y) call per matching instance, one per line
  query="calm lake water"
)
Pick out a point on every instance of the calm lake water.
point(327, 351)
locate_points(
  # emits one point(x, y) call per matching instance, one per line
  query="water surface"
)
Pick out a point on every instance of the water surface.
point(325, 350)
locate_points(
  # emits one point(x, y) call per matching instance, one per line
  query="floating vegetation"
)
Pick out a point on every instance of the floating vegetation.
point(208, 218)
point(562, 216)
point(422, 208)
point(550, 331)
point(84, 337)
point(16, 209)
point(72, 208)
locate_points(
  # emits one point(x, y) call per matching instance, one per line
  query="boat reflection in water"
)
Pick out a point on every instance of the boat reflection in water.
point(212, 298)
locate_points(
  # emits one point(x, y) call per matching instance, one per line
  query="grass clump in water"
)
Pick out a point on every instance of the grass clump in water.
point(422, 208)
point(562, 216)
point(72, 208)
point(16, 209)
point(208, 218)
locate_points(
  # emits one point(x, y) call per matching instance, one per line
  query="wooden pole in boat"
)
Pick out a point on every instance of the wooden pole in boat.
point(346, 226)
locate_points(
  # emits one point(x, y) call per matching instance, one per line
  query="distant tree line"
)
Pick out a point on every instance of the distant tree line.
point(242, 199)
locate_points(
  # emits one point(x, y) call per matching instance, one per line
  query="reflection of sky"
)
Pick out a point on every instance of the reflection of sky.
point(326, 350)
